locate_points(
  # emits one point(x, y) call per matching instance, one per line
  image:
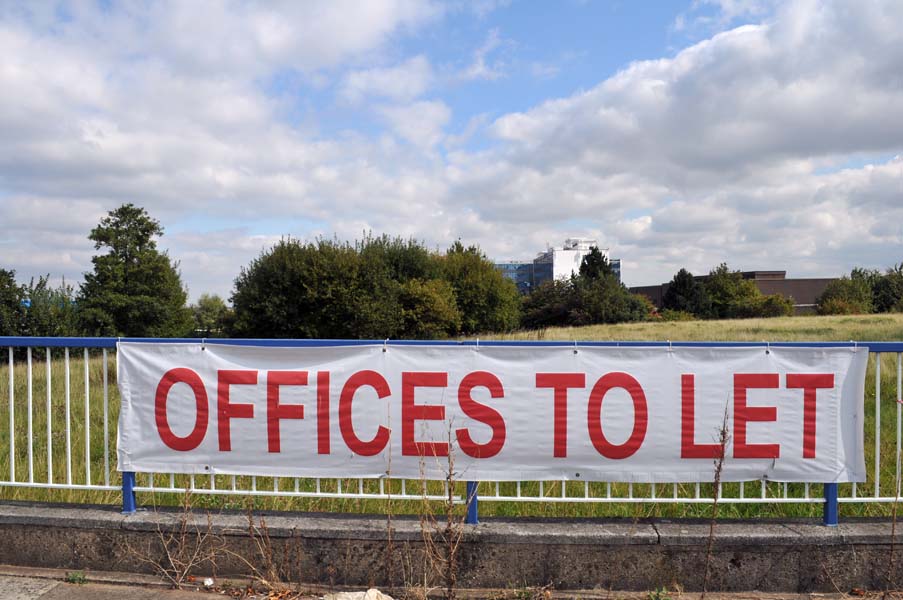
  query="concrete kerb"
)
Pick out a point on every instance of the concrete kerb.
point(342, 550)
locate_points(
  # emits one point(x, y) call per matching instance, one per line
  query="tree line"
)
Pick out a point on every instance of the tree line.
point(374, 288)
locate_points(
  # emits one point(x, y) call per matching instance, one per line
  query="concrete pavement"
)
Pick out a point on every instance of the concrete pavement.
point(33, 588)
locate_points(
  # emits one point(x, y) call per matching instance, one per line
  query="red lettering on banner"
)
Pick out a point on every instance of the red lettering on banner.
point(193, 439)
point(482, 413)
point(277, 411)
point(323, 412)
point(640, 415)
point(810, 384)
point(411, 412)
point(356, 381)
point(560, 382)
point(688, 446)
point(743, 414)
point(226, 411)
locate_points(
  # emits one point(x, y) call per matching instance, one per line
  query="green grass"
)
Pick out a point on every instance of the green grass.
point(861, 328)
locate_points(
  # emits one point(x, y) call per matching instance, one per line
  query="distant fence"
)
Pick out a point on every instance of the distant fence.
point(66, 437)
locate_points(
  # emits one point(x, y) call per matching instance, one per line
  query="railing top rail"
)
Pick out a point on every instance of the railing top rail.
point(110, 342)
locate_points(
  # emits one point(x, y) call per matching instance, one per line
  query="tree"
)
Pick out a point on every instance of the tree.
point(847, 295)
point(297, 290)
point(549, 305)
point(429, 309)
point(12, 313)
point(51, 312)
point(730, 293)
point(210, 316)
point(594, 265)
point(488, 301)
point(134, 290)
point(887, 292)
point(687, 294)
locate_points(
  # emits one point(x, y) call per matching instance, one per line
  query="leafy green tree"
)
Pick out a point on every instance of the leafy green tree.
point(297, 290)
point(688, 295)
point(210, 316)
point(606, 300)
point(429, 309)
point(134, 290)
point(732, 296)
point(847, 295)
point(488, 301)
point(549, 305)
point(594, 265)
point(887, 292)
point(52, 311)
point(12, 313)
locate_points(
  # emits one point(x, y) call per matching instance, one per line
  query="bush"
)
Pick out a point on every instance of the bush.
point(776, 305)
point(676, 315)
point(838, 306)
point(380, 287)
point(844, 296)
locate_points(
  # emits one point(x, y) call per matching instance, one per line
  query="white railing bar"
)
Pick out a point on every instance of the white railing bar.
point(360, 486)
point(276, 484)
point(12, 420)
point(28, 399)
point(696, 494)
point(541, 490)
point(653, 491)
point(297, 485)
point(212, 481)
point(877, 424)
point(172, 480)
point(60, 486)
point(50, 420)
point(233, 483)
point(68, 420)
point(563, 487)
point(106, 426)
point(899, 415)
point(763, 492)
point(87, 418)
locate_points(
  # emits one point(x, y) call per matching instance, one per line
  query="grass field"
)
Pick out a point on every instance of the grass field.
point(860, 328)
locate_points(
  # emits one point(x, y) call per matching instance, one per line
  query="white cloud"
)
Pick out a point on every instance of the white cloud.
point(420, 123)
point(718, 153)
point(404, 81)
point(482, 67)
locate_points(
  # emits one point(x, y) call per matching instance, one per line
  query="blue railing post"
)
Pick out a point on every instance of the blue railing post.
point(129, 504)
point(831, 505)
point(473, 513)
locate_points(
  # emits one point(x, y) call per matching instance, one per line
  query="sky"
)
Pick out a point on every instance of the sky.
point(768, 135)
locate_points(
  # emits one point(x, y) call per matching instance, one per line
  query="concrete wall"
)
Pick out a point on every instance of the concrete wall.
point(342, 550)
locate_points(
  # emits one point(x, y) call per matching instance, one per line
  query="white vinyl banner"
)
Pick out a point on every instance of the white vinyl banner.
point(502, 413)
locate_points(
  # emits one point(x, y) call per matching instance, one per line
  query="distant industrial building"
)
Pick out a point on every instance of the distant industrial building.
point(804, 292)
point(553, 263)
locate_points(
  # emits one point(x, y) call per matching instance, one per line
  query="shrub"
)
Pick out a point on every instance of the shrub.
point(847, 295)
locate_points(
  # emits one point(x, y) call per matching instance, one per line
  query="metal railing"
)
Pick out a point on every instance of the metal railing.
point(91, 411)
